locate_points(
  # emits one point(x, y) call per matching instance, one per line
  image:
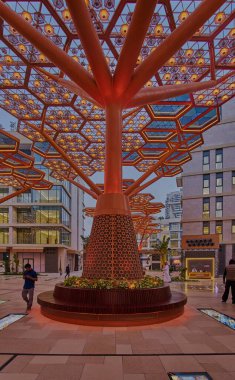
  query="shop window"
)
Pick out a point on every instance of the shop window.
point(206, 183)
point(219, 207)
point(219, 183)
point(219, 158)
point(206, 208)
point(4, 215)
point(206, 160)
point(206, 228)
point(4, 235)
point(219, 229)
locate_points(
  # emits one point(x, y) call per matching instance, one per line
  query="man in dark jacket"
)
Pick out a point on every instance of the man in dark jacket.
point(229, 275)
point(29, 276)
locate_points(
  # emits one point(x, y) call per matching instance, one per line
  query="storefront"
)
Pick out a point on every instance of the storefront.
point(201, 255)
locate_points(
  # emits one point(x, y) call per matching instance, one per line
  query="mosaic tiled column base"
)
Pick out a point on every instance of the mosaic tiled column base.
point(112, 250)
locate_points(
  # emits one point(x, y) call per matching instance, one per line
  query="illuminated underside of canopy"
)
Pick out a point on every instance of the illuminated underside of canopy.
point(17, 168)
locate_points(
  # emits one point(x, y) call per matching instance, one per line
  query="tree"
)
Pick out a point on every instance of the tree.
point(6, 262)
point(162, 247)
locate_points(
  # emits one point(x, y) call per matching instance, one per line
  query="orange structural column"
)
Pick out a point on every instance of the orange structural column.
point(113, 150)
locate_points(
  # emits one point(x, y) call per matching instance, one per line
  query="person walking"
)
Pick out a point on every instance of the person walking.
point(229, 276)
point(29, 276)
point(166, 273)
point(67, 271)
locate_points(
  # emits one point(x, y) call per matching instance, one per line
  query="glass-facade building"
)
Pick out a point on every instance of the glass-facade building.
point(43, 227)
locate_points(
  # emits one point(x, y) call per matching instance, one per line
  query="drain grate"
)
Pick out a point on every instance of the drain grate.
point(189, 376)
point(9, 319)
point(219, 317)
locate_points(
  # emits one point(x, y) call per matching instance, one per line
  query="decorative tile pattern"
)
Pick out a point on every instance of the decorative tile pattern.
point(112, 236)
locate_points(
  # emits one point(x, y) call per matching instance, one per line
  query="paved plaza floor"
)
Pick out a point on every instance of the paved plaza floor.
point(37, 348)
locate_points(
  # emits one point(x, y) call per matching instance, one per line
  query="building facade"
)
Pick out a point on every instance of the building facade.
point(173, 214)
point(42, 227)
point(208, 183)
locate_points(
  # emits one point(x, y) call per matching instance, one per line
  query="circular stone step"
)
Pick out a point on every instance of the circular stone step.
point(112, 307)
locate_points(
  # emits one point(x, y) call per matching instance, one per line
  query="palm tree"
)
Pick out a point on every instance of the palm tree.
point(162, 248)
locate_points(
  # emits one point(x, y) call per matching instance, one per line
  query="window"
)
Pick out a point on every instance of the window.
point(206, 228)
point(233, 178)
point(206, 208)
point(206, 160)
point(219, 228)
point(3, 192)
point(4, 235)
point(4, 215)
point(206, 183)
point(26, 197)
point(48, 214)
point(174, 226)
point(24, 236)
point(174, 235)
point(174, 244)
point(24, 215)
point(233, 226)
point(219, 207)
point(219, 158)
point(66, 218)
point(219, 183)
point(47, 236)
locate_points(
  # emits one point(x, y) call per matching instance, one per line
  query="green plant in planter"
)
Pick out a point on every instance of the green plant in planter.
point(84, 283)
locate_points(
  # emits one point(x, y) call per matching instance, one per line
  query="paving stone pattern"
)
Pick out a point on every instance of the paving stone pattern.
point(49, 350)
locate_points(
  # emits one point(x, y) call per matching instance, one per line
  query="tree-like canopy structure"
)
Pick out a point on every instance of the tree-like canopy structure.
point(17, 168)
point(98, 85)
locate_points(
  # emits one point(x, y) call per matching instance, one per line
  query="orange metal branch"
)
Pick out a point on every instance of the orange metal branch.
point(146, 184)
point(130, 191)
point(113, 157)
point(131, 49)
point(170, 45)
point(12, 195)
point(91, 44)
point(154, 94)
point(80, 186)
point(69, 160)
point(57, 56)
point(71, 86)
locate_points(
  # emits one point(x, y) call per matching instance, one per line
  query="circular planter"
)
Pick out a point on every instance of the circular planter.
point(112, 307)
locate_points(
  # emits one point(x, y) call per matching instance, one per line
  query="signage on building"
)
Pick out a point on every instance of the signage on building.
point(190, 242)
